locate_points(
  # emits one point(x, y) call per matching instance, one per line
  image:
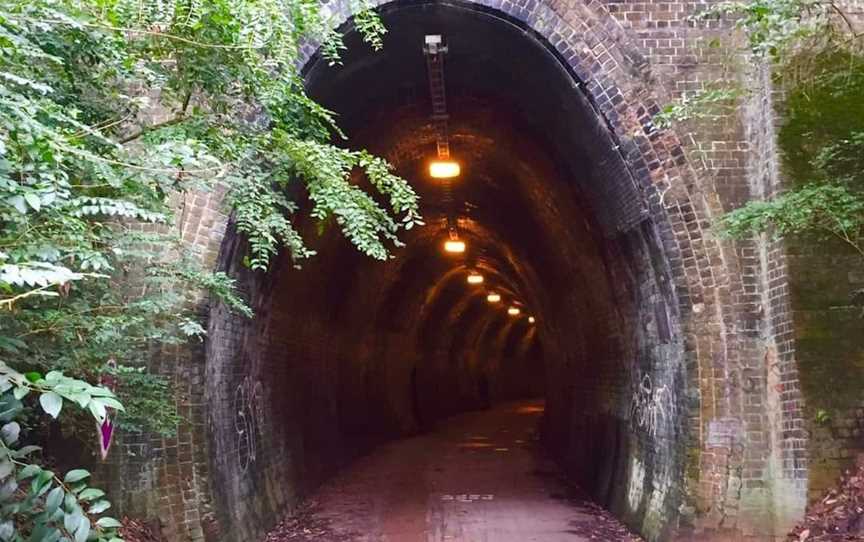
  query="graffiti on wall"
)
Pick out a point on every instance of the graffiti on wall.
point(248, 401)
point(636, 487)
point(651, 405)
point(651, 489)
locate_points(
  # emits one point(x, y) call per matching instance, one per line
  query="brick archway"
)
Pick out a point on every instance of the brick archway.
point(731, 406)
point(746, 455)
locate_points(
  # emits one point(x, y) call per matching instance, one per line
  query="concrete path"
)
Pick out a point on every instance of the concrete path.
point(476, 478)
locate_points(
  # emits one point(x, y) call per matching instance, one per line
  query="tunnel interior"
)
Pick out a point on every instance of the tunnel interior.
point(347, 352)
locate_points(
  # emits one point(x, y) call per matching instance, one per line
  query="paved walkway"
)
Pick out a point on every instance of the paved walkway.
point(476, 478)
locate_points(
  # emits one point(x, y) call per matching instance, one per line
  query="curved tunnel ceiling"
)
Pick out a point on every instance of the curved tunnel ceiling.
point(353, 350)
point(528, 144)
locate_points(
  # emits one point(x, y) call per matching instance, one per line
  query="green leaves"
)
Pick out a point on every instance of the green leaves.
point(148, 400)
point(56, 387)
point(45, 507)
point(36, 274)
point(370, 27)
point(775, 27)
point(85, 161)
point(53, 500)
point(34, 503)
point(75, 476)
point(261, 214)
point(51, 403)
point(108, 523)
point(9, 433)
point(327, 170)
point(822, 144)
point(709, 103)
point(819, 209)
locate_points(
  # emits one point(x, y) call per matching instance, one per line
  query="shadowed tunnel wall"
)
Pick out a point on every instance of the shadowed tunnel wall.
point(651, 338)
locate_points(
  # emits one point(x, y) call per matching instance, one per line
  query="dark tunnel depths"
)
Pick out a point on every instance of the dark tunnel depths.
point(357, 351)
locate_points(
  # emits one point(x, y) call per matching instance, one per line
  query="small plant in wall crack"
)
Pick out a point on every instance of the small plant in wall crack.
point(704, 104)
point(822, 417)
point(35, 503)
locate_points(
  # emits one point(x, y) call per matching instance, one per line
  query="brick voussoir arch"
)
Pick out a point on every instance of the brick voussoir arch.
point(680, 199)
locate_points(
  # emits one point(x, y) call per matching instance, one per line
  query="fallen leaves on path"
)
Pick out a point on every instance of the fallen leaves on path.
point(136, 530)
point(305, 525)
point(839, 515)
point(602, 526)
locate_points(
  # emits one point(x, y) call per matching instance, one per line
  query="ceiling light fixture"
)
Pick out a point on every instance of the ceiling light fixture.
point(475, 278)
point(454, 246)
point(531, 320)
point(493, 298)
point(444, 169)
point(513, 311)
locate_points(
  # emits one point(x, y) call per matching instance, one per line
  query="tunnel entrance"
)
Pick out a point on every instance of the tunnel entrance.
point(349, 353)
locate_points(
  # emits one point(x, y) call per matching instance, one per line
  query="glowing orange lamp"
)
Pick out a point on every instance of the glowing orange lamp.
point(475, 278)
point(444, 169)
point(454, 246)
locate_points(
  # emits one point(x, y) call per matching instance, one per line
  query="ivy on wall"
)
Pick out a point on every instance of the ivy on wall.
point(814, 51)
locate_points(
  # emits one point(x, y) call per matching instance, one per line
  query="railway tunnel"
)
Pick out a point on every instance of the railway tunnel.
point(345, 353)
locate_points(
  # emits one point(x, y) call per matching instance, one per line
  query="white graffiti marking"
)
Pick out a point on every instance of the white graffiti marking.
point(650, 405)
point(248, 402)
point(637, 484)
point(467, 497)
